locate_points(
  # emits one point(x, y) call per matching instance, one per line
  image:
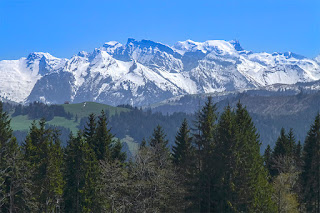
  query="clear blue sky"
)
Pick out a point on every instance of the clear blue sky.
point(65, 27)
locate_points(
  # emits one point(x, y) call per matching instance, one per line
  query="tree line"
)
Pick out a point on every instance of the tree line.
point(215, 165)
point(38, 110)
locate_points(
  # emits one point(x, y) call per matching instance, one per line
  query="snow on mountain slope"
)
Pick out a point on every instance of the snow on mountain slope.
point(144, 72)
point(18, 77)
point(217, 46)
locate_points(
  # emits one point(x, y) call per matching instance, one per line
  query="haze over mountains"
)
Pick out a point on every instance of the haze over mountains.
point(146, 72)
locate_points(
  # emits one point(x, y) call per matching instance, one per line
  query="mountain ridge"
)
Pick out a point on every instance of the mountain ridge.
point(146, 72)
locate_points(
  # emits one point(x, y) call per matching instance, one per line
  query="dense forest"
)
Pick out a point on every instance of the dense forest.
point(136, 123)
point(214, 165)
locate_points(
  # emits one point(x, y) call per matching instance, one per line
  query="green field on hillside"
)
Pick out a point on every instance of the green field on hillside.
point(86, 108)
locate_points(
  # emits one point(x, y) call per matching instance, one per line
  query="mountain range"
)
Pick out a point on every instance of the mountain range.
point(145, 72)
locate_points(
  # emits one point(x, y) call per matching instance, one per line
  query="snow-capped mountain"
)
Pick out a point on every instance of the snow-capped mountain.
point(145, 72)
point(18, 77)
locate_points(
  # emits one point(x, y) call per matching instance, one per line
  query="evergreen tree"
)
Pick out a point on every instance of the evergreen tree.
point(268, 158)
point(15, 194)
point(310, 176)
point(5, 137)
point(182, 150)
point(298, 155)
point(103, 139)
point(184, 160)
point(81, 175)
point(282, 145)
point(291, 143)
point(5, 129)
point(225, 158)
point(16, 181)
point(54, 180)
point(43, 153)
point(253, 192)
point(204, 140)
point(90, 130)
point(159, 143)
point(116, 152)
point(285, 147)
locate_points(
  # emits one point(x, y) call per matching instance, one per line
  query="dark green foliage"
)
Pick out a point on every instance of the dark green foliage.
point(298, 154)
point(310, 176)
point(42, 151)
point(241, 184)
point(225, 158)
point(291, 143)
point(268, 158)
point(250, 171)
point(204, 140)
point(183, 150)
point(285, 147)
point(116, 152)
point(15, 179)
point(184, 159)
point(5, 129)
point(15, 195)
point(37, 110)
point(81, 175)
point(216, 168)
point(159, 143)
point(281, 147)
point(138, 124)
point(159, 138)
point(90, 129)
point(101, 143)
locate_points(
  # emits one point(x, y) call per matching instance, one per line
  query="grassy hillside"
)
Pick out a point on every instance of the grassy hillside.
point(86, 108)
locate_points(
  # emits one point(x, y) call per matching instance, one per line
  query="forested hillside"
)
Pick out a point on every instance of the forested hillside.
point(215, 165)
point(129, 124)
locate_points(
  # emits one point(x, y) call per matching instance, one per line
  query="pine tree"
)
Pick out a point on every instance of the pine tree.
point(310, 176)
point(116, 152)
point(159, 143)
point(282, 145)
point(291, 143)
point(267, 158)
point(54, 180)
point(204, 140)
point(17, 181)
point(298, 155)
point(103, 139)
point(225, 158)
point(5, 137)
point(282, 149)
point(253, 192)
point(184, 160)
point(43, 153)
point(81, 175)
point(182, 150)
point(15, 195)
point(5, 129)
point(90, 130)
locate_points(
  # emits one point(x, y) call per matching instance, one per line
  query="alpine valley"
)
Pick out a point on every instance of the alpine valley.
point(142, 73)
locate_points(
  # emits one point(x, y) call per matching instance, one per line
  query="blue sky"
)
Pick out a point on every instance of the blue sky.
point(65, 27)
